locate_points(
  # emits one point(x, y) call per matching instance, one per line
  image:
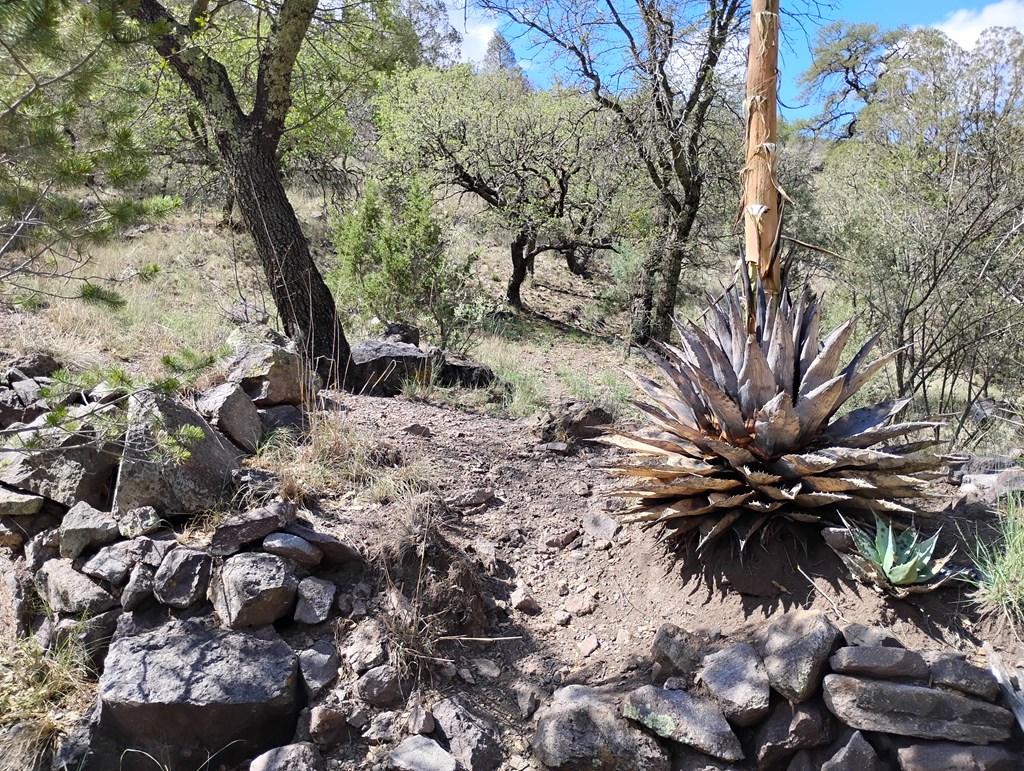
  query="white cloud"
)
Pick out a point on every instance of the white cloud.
point(476, 31)
point(966, 25)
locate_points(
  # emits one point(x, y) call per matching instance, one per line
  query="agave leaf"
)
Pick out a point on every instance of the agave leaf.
point(889, 552)
point(813, 500)
point(781, 493)
point(927, 548)
point(809, 335)
point(855, 380)
point(648, 445)
point(746, 527)
point(676, 468)
point(716, 530)
point(850, 370)
point(756, 380)
point(728, 415)
point(877, 435)
point(688, 486)
point(905, 573)
point(756, 477)
point(780, 357)
point(863, 543)
point(802, 516)
point(738, 328)
point(776, 426)
point(721, 367)
point(677, 528)
point(863, 419)
point(815, 407)
point(763, 506)
point(837, 484)
point(795, 466)
point(824, 366)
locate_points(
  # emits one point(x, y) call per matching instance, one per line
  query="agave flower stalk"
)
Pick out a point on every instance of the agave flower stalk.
point(747, 430)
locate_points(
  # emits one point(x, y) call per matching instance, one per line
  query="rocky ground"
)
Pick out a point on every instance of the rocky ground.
point(489, 612)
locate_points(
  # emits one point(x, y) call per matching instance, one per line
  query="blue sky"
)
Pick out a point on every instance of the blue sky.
point(962, 20)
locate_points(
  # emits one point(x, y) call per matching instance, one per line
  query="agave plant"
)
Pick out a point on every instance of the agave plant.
point(898, 563)
point(747, 428)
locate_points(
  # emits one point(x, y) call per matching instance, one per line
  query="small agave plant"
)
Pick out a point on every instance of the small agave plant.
point(747, 430)
point(898, 563)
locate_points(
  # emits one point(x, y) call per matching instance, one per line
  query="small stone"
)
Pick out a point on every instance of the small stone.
point(380, 686)
point(418, 753)
point(139, 587)
point(951, 670)
point(293, 757)
point(855, 753)
point(183, 577)
point(737, 680)
point(471, 498)
point(677, 651)
point(358, 717)
point(84, 527)
point(878, 661)
point(233, 414)
point(421, 719)
point(589, 645)
point(364, 647)
point(416, 429)
point(471, 734)
point(318, 666)
point(297, 549)
point(581, 605)
point(467, 676)
point(383, 728)
point(327, 726)
point(947, 756)
point(601, 526)
point(560, 539)
point(113, 563)
point(581, 729)
point(795, 649)
point(561, 617)
point(316, 596)
point(790, 728)
point(523, 601)
point(678, 716)
point(487, 668)
point(138, 522)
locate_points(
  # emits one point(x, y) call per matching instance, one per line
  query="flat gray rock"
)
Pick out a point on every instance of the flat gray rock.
point(879, 661)
point(951, 670)
point(253, 525)
point(18, 504)
point(737, 679)
point(419, 753)
point(84, 527)
point(199, 689)
point(678, 716)
point(297, 549)
point(676, 651)
point(380, 686)
point(854, 754)
point(318, 666)
point(139, 587)
point(795, 649)
point(580, 730)
point(253, 589)
point(113, 563)
point(947, 756)
point(68, 591)
point(913, 710)
point(364, 647)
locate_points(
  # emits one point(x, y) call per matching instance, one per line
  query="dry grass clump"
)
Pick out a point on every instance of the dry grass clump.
point(43, 696)
point(332, 458)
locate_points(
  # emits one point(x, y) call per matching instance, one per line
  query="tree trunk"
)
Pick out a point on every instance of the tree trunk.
point(304, 303)
point(521, 261)
point(761, 202)
point(641, 327)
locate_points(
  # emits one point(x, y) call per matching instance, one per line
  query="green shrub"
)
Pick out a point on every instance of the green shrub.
point(395, 263)
point(999, 578)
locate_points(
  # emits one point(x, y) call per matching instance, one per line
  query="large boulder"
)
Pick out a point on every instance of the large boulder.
point(735, 676)
point(183, 577)
point(682, 718)
point(232, 412)
point(471, 734)
point(795, 649)
point(581, 731)
point(168, 484)
point(237, 530)
point(85, 528)
point(267, 368)
point(65, 590)
point(253, 589)
point(384, 366)
point(184, 690)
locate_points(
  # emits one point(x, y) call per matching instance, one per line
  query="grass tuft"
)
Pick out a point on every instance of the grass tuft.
point(43, 696)
point(999, 581)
